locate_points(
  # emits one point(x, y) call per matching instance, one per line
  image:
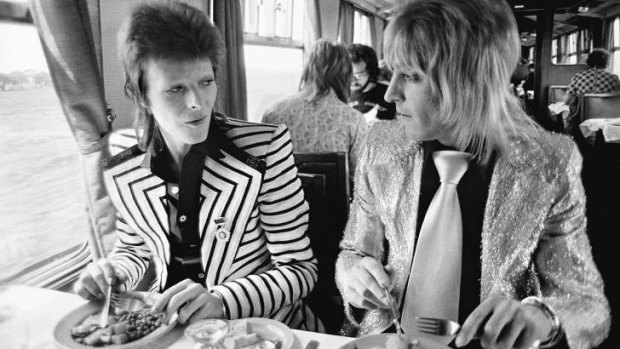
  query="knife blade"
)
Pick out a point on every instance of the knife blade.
point(103, 320)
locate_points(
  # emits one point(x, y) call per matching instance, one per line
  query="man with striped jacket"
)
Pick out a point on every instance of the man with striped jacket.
point(213, 205)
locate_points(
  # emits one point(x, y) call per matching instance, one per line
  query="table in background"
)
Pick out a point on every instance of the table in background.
point(29, 315)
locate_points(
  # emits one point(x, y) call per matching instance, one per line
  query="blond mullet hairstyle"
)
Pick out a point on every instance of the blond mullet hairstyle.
point(468, 50)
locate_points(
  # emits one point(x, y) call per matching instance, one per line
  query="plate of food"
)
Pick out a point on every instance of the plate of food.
point(79, 329)
point(393, 341)
point(248, 333)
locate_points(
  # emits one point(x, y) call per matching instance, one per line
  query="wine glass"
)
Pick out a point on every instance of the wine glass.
point(207, 333)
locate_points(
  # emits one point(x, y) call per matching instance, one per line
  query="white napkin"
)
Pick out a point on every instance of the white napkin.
point(558, 107)
point(610, 128)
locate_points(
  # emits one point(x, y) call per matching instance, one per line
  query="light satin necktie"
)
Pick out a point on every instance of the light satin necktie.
point(435, 279)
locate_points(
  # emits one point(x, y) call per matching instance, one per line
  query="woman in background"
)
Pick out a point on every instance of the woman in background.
point(318, 115)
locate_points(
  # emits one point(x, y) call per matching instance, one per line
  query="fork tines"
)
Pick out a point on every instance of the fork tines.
point(121, 301)
point(436, 326)
point(427, 325)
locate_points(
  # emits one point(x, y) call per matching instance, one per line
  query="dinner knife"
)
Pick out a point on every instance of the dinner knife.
point(103, 320)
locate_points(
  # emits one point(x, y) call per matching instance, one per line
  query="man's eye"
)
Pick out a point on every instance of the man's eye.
point(412, 77)
point(174, 90)
point(207, 82)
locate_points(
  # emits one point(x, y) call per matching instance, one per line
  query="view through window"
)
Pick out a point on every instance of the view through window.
point(268, 82)
point(273, 51)
point(42, 202)
point(361, 28)
point(616, 46)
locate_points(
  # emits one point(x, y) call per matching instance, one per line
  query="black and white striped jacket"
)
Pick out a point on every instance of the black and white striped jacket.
point(266, 267)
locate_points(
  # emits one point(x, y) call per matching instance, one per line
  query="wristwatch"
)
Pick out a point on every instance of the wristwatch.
point(556, 331)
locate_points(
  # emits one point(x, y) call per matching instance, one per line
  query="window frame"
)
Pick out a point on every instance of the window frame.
point(254, 38)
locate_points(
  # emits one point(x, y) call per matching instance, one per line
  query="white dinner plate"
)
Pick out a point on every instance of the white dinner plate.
point(378, 340)
point(62, 331)
point(271, 330)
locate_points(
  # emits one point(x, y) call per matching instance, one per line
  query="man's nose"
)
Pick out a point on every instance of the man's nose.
point(193, 100)
point(393, 93)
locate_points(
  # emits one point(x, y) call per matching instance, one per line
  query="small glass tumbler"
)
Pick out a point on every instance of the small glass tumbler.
point(207, 333)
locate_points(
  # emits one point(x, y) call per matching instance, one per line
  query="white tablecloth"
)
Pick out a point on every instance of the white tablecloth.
point(610, 128)
point(28, 316)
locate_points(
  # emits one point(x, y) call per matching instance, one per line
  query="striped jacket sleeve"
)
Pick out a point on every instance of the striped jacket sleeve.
point(130, 255)
point(284, 220)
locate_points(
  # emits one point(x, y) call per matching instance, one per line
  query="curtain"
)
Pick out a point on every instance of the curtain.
point(608, 40)
point(64, 27)
point(345, 23)
point(376, 34)
point(608, 34)
point(312, 21)
point(231, 82)
point(374, 42)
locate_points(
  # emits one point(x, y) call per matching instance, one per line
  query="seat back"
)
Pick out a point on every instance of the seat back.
point(313, 186)
point(557, 93)
point(328, 217)
point(335, 167)
point(600, 106)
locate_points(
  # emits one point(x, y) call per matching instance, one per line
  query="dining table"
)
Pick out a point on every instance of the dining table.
point(28, 316)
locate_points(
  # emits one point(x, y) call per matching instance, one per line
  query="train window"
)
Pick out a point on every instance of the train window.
point(273, 21)
point(361, 28)
point(42, 201)
point(273, 34)
point(615, 63)
point(572, 39)
point(266, 81)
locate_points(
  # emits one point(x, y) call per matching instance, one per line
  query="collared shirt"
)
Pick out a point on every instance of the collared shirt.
point(364, 101)
point(183, 202)
point(593, 80)
point(473, 189)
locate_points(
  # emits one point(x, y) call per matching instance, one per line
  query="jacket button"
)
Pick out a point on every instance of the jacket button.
point(201, 276)
point(183, 218)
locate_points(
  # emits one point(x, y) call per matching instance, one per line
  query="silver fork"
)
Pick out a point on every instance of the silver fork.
point(126, 300)
point(103, 318)
point(439, 327)
point(399, 329)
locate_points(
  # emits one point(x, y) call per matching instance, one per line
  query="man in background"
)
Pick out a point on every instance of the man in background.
point(593, 80)
point(367, 94)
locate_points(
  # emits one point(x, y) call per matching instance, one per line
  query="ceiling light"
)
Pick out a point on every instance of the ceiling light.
point(519, 6)
point(583, 9)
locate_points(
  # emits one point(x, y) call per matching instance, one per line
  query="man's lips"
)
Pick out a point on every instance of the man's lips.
point(197, 121)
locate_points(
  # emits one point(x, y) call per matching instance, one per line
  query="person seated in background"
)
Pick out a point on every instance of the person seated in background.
point(317, 116)
point(528, 88)
point(212, 204)
point(465, 209)
point(518, 76)
point(528, 83)
point(385, 75)
point(595, 79)
point(367, 93)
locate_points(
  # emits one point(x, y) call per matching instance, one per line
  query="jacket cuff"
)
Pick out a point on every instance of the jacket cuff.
point(353, 314)
point(228, 301)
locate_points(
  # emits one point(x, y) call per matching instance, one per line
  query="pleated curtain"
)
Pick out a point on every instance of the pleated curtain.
point(231, 79)
point(68, 39)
